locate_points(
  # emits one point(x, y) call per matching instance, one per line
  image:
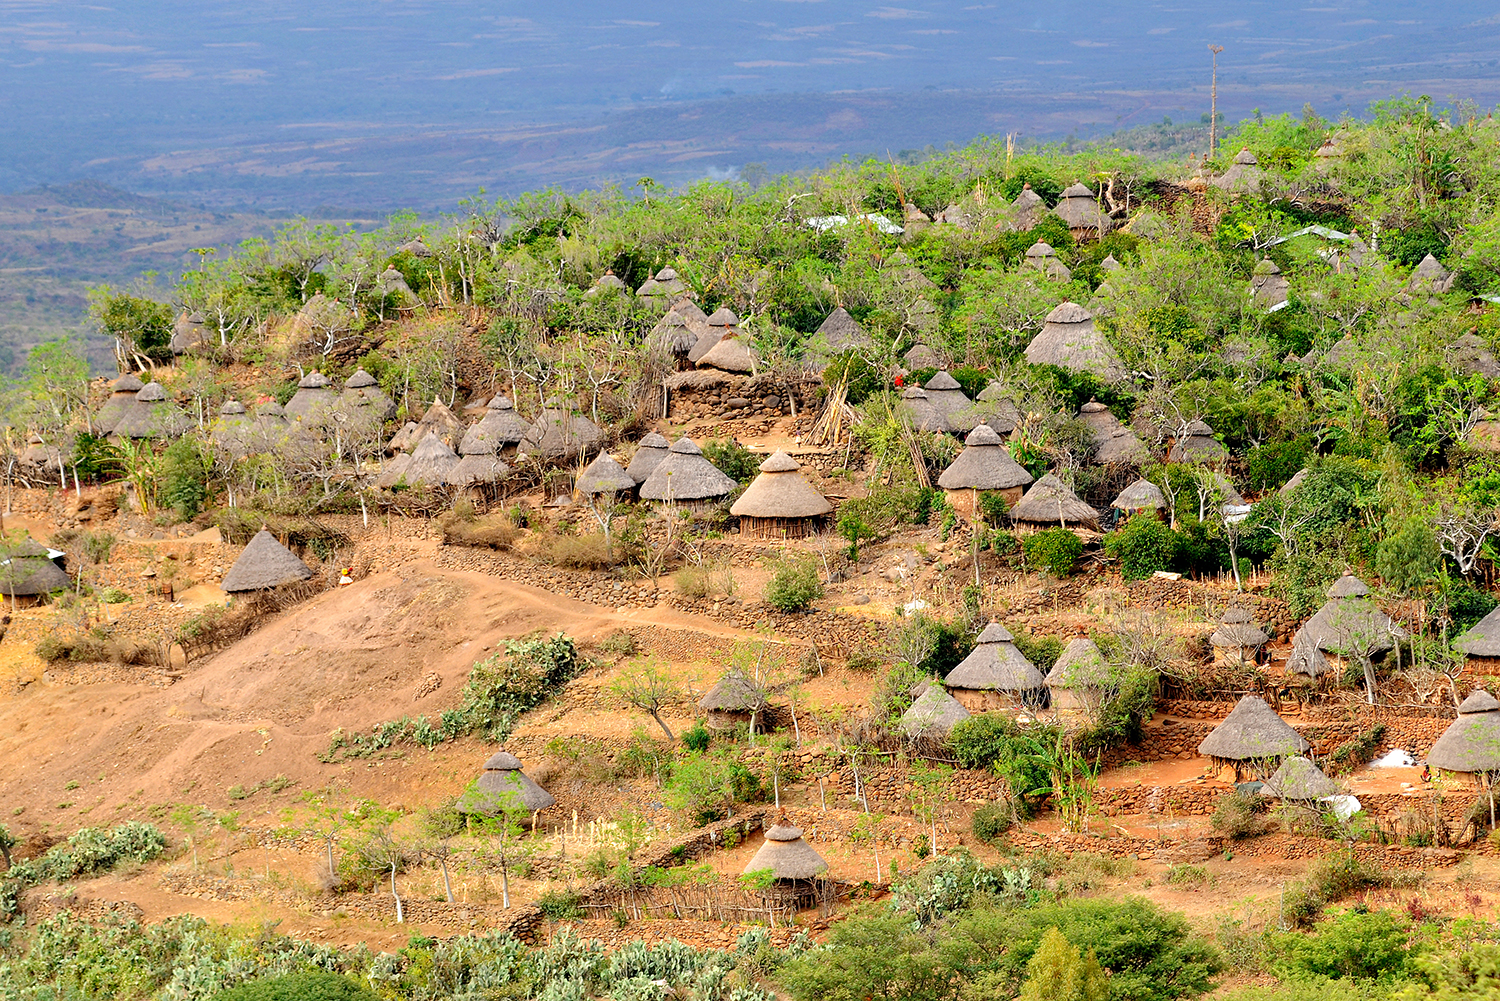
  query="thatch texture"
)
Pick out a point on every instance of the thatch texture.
point(188, 332)
point(394, 471)
point(996, 664)
point(121, 396)
point(1483, 638)
point(948, 398)
point(152, 415)
point(1268, 286)
point(1243, 176)
point(1300, 780)
point(25, 571)
point(404, 439)
point(984, 464)
point(672, 335)
point(648, 455)
point(1430, 276)
point(1253, 731)
point(730, 354)
point(1141, 495)
point(1348, 625)
point(313, 393)
point(1472, 742)
point(993, 406)
point(1081, 212)
point(475, 470)
point(1080, 665)
point(431, 462)
point(608, 282)
point(604, 476)
point(1027, 210)
point(1469, 354)
point(685, 475)
point(560, 435)
point(733, 693)
point(840, 332)
point(921, 356)
point(1197, 444)
point(441, 422)
point(934, 713)
point(708, 339)
point(920, 411)
point(787, 855)
point(503, 788)
point(1050, 502)
point(1070, 340)
point(264, 564)
point(363, 385)
point(1238, 631)
point(1113, 442)
point(499, 428)
point(780, 491)
point(723, 317)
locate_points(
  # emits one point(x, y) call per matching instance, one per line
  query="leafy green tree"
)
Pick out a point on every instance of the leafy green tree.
point(1143, 546)
point(184, 478)
point(1058, 972)
point(142, 327)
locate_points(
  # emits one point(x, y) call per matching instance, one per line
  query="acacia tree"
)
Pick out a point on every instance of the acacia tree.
point(649, 689)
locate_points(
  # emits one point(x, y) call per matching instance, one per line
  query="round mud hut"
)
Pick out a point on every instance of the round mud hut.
point(498, 432)
point(1471, 744)
point(780, 503)
point(502, 788)
point(648, 455)
point(1348, 626)
point(1481, 644)
point(984, 466)
point(1076, 682)
point(734, 701)
point(313, 393)
point(27, 572)
point(1140, 497)
point(264, 564)
point(1238, 640)
point(1251, 742)
point(121, 395)
point(1079, 209)
point(920, 411)
point(1050, 504)
point(996, 674)
point(1298, 780)
point(1070, 340)
point(604, 477)
point(933, 714)
point(687, 479)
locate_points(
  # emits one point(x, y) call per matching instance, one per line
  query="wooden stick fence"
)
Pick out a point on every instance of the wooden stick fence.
point(714, 902)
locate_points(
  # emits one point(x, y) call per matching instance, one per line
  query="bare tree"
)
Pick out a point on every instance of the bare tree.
point(649, 689)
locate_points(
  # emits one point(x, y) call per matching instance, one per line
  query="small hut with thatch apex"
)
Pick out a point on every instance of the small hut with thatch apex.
point(264, 564)
point(1070, 340)
point(431, 462)
point(840, 332)
point(948, 398)
point(1027, 210)
point(42, 460)
point(1251, 742)
point(1430, 276)
point(234, 429)
point(604, 476)
point(648, 455)
point(498, 432)
point(27, 572)
point(121, 395)
point(731, 353)
point(733, 701)
point(503, 788)
point(1078, 680)
point(1268, 286)
point(658, 290)
point(1113, 442)
point(1197, 444)
point(985, 465)
point(608, 283)
point(1043, 258)
point(1481, 644)
point(1298, 780)
point(1349, 626)
point(921, 356)
point(393, 473)
point(403, 439)
point(1050, 504)
point(152, 416)
point(1471, 744)
point(364, 385)
point(1077, 208)
point(993, 406)
point(561, 436)
point(780, 503)
point(313, 393)
point(687, 479)
point(1244, 175)
point(996, 674)
point(933, 714)
point(1141, 497)
point(919, 409)
point(477, 469)
point(1238, 639)
point(673, 336)
point(439, 420)
point(786, 855)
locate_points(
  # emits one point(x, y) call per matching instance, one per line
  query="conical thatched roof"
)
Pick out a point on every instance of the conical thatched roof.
point(604, 476)
point(673, 334)
point(264, 564)
point(780, 491)
point(993, 406)
point(1079, 210)
point(690, 310)
point(1300, 779)
point(1472, 742)
point(1243, 175)
point(1483, 638)
point(1430, 275)
point(25, 570)
point(924, 416)
point(685, 475)
point(440, 421)
point(921, 356)
point(1348, 586)
point(431, 462)
point(1081, 665)
point(503, 788)
point(1142, 495)
point(403, 439)
point(733, 693)
point(984, 464)
point(393, 472)
point(730, 354)
point(363, 386)
point(560, 435)
point(121, 396)
point(1109, 264)
point(1113, 441)
point(1038, 252)
point(723, 317)
point(934, 713)
point(787, 855)
point(481, 467)
point(1050, 502)
point(360, 380)
point(840, 332)
point(1253, 730)
point(1027, 210)
point(708, 338)
point(1348, 624)
point(500, 426)
point(995, 664)
point(1070, 340)
point(312, 392)
point(1237, 630)
point(152, 415)
point(1472, 355)
point(1268, 286)
point(648, 455)
point(608, 282)
point(1197, 444)
point(947, 396)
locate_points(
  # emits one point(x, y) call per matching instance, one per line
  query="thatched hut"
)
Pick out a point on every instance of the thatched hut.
point(152, 416)
point(561, 436)
point(234, 429)
point(1027, 210)
point(498, 432)
point(1050, 504)
point(1079, 209)
point(1480, 643)
point(393, 473)
point(840, 332)
point(985, 465)
point(658, 290)
point(121, 395)
point(1140, 497)
point(1078, 680)
point(1268, 286)
point(403, 439)
point(41, 460)
point(687, 479)
point(1244, 175)
point(1298, 780)
point(363, 385)
point(478, 469)
point(1043, 258)
point(787, 856)
point(26, 571)
point(1237, 639)
point(993, 406)
point(933, 714)
point(431, 462)
point(1430, 276)
point(733, 701)
point(732, 353)
point(1251, 742)
point(1471, 744)
point(920, 411)
point(313, 393)
point(1113, 442)
point(949, 399)
point(265, 563)
point(996, 674)
point(604, 476)
point(502, 788)
point(1070, 340)
point(608, 283)
point(921, 356)
point(780, 503)
point(189, 331)
point(648, 455)
point(1197, 444)
point(672, 335)
point(723, 317)
point(440, 421)
point(1471, 355)
point(1349, 626)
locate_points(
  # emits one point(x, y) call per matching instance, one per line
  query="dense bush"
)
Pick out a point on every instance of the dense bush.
point(998, 743)
point(184, 484)
point(794, 585)
point(1239, 815)
point(1143, 546)
point(1353, 945)
point(733, 459)
point(300, 987)
point(1055, 550)
point(991, 821)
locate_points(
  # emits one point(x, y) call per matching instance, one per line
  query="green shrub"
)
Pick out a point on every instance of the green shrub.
point(1143, 545)
point(991, 821)
point(1055, 550)
point(696, 738)
point(854, 530)
point(1330, 880)
point(998, 743)
point(992, 507)
point(1239, 816)
point(864, 379)
point(733, 459)
point(313, 986)
point(184, 479)
point(794, 585)
point(1353, 945)
point(559, 905)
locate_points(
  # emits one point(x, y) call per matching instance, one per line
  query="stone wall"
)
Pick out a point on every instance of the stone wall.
point(709, 393)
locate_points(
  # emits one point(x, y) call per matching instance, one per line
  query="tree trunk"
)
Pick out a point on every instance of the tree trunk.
point(655, 714)
point(447, 883)
point(400, 914)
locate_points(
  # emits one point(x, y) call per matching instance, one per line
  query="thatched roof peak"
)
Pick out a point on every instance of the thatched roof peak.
point(780, 462)
point(730, 354)
point(1348, 586)
point(996, 664)
point(1077, 190)
point(1253, 730)
point(151, 392)
point(840, 331)
point(942, 381)
point(314, 380)
point(1080, 665)
point(604, 476)
point(360, 380)
point(1068, 312)
point(127, 383)
point(733, 693)
point(1110, 264)
point(232, 408)
point(264, 564)
point(1479, 701)
point(934, 713)
point(431, 462)
point(786, 855)
point(503, 787)
point(780, 491)
point(1299, 779)
point(722, 317)
point(1472, 742)
point(1142, 495)
point(684, 474)
point(685, 446)
point(1039, 250)
point(1052, 502)
point(984, 464)
point(1483, 638)
point(1245, 158)
point(648, 454)
point(994, 632)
